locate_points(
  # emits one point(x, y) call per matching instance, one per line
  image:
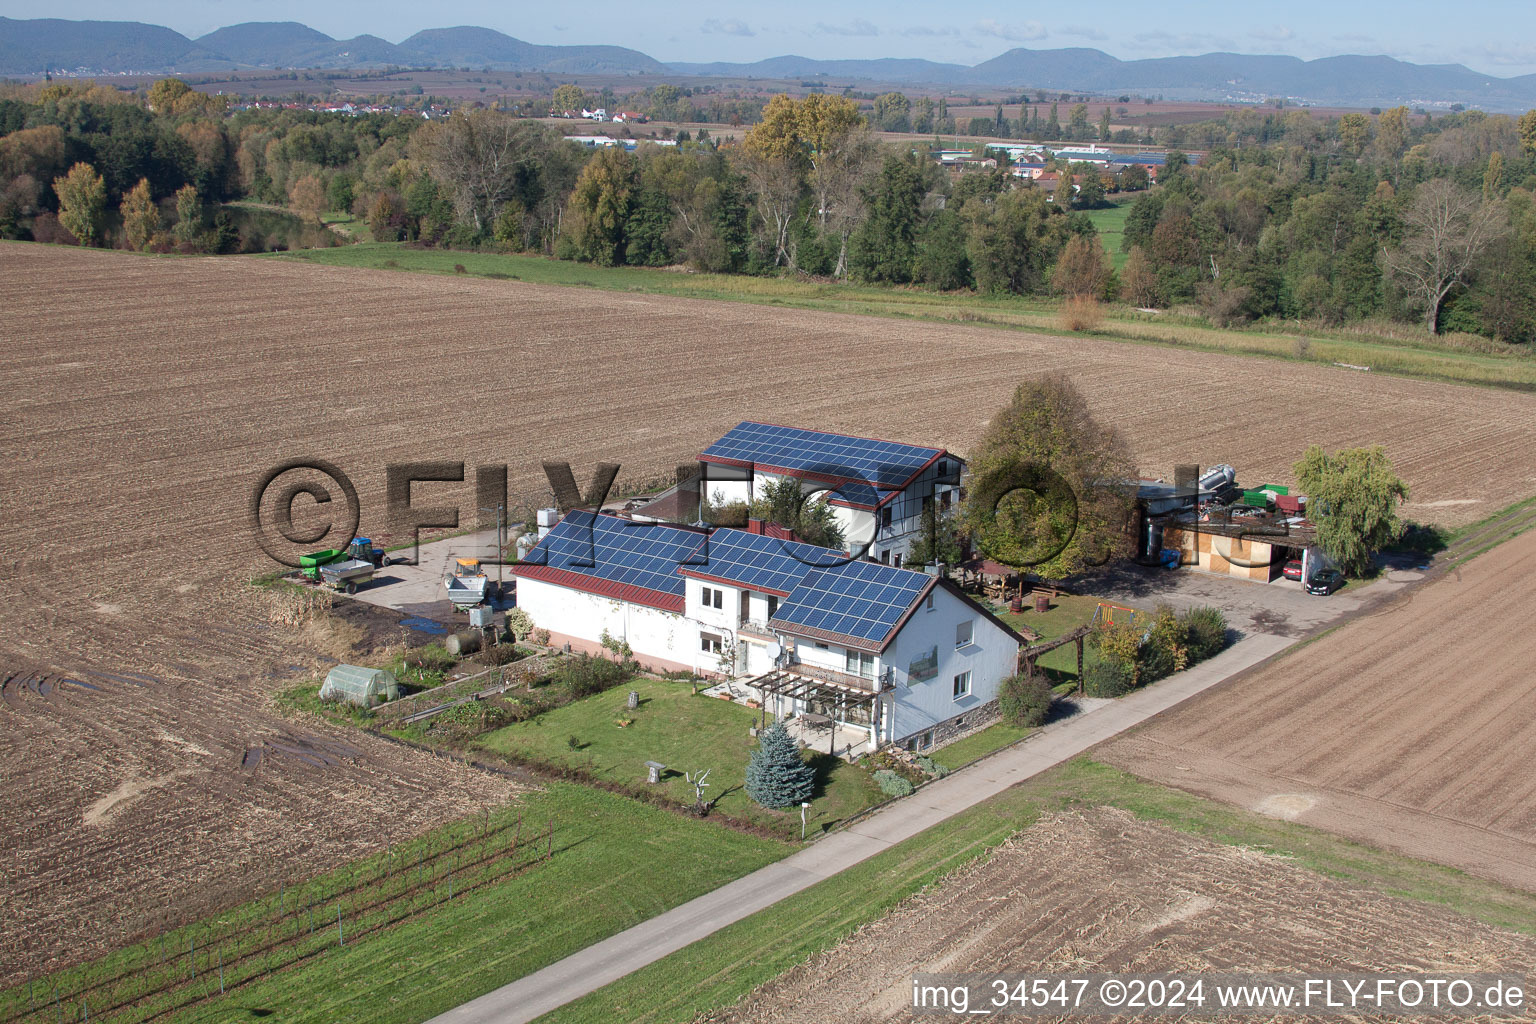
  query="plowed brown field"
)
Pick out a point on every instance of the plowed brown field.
point(1102, 892)
point(144, 398)
point(1409, 728)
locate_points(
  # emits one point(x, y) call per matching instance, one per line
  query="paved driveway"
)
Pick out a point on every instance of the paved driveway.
point(418, 589)
point(1281, 608)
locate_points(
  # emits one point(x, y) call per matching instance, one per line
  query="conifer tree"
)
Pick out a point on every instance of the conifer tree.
point(777, 776)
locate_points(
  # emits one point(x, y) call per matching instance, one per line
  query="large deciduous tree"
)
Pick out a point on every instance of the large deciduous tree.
point(141, 217)
point(1050, 483)
point(569, 98)
point(1354, 133)
point(306, 197)
point(164, 94)
point(893, 112)
point(827, 135)
point(82, 202)
point(600, 206)
point(1013, 240)
point(1526, 128)
point(485, 159)
point(1448, 229)
point(1083, 270)
point(1353, 496)
point(1138, 281)
point(189, 213)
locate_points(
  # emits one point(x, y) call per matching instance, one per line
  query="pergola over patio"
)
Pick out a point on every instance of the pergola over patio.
point(794, 686)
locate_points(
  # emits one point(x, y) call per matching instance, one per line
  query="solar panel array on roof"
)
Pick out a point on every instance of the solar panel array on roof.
point(762, 563)
point(861, 600)
point(886, 464)
point(618, 550)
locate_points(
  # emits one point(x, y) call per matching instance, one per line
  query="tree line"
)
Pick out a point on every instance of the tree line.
point(1399, 216)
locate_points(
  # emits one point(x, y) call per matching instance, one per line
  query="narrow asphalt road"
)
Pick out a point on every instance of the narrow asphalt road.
point(629, 950)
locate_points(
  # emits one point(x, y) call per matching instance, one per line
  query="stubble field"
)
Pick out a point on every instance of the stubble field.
point(1102, 892)
point(146, 397)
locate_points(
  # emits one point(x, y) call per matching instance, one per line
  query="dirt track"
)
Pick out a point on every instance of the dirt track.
point(145, 397)
point(1409, 728)
point(1104, 892)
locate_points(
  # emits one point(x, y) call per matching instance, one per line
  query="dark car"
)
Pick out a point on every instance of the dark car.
point(1292, 570)
point(1325, 581)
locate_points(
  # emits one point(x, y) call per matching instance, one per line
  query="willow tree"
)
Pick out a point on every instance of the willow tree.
point(1353, 496)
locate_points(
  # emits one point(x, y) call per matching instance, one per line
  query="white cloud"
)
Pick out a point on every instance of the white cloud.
point(1181, 41)
point(856, 27)
point(1273, 34)
point(1021, 33)
point(1085, 32)
point(728, 27)
point(927, 30)
point(1354, 37)
point(1518, 55)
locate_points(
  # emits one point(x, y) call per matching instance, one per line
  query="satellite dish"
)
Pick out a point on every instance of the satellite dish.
point(774, 650)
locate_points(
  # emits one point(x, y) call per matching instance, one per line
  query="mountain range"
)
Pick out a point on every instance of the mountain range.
point(29, 47)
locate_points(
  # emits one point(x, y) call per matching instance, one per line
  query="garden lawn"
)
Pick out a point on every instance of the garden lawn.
point(979, 744)
point(1067, 612)
point(687, 733)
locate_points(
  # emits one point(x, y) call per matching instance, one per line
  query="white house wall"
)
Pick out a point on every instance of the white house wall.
point(991, 656)
point(660, 639)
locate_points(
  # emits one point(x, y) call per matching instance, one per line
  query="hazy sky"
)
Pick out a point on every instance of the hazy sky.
point(1494, 36)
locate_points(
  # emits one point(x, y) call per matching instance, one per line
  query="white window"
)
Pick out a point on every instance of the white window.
point(713, 598)
point(963, 633)
point(858, 663)
point(962, 685)
point(928, 604)
point(709, 643)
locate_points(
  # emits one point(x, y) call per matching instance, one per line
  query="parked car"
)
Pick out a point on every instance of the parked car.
point(1325, 581)
point(1292, 570)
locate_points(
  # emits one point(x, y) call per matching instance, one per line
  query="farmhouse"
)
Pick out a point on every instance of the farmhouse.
point(876, 652)
point(878, 490)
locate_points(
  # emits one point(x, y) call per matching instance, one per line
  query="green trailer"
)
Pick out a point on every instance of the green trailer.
point(310, 564)
point(1254, 499)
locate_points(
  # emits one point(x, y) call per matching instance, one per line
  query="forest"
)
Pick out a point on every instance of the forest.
point(1275, 214)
